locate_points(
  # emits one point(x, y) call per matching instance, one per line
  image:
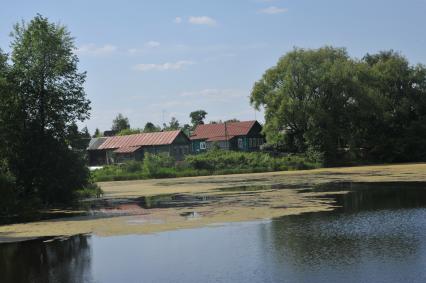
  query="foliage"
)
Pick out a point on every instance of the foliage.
point(92, 190)
point(173, 125)
point(150, 128)
point(197, 117)
point(129, 131)
point(78, 140)
point(40, 106)
point(97, 133)
point(153, 163)
point(212, 162)
point(120, 123)
point(322, 100)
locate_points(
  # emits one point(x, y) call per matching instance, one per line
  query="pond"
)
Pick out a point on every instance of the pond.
point(376, 235)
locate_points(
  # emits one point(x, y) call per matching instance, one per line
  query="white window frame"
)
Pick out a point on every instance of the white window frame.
point(203, 145)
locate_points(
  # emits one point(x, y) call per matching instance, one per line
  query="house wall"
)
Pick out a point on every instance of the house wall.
point(96, 157)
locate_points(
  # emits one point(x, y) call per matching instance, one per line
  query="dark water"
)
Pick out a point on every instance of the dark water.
point(379, 235)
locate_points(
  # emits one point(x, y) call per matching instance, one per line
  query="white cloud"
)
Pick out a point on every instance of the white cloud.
point(178, 20)
point(152, 44)
point(93, 49)
point(164, 66)
point(202, 20)
point(273, 10)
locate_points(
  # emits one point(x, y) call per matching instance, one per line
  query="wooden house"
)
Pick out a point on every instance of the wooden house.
point(119, 149)
point(239, 136)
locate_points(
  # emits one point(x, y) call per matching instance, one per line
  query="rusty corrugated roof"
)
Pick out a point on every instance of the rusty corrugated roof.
point(144, 139)
point(128, 149)
point(216, 132)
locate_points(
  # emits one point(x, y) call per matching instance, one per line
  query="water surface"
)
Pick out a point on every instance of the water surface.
point(378, 235)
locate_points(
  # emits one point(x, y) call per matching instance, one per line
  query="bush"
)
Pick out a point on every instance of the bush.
point(209, 163)
point(8, 194)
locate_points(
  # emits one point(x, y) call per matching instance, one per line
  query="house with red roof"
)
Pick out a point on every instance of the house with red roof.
point(240, 136)
point(119, 149)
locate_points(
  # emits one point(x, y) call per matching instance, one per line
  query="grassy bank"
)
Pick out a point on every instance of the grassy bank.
point(216, 162)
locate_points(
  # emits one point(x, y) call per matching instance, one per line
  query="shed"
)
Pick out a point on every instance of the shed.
point(118, 149)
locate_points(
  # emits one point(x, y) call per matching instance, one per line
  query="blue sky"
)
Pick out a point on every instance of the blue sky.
point(149, 59)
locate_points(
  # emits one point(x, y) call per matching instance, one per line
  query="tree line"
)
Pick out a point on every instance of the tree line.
point(349, 110)
point(121, 125)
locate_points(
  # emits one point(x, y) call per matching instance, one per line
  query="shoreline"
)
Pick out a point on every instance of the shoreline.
point(202, 201)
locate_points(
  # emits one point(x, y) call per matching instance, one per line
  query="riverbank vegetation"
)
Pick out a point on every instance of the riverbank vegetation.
point(215, 162)
point(352, 110)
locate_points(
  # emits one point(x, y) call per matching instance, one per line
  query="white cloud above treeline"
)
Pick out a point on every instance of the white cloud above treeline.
point(93, 49)
point(163, 66)
point(272, 10)
point(197, 20)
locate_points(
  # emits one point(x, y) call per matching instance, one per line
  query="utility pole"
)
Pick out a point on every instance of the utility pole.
point(226, 137)
point(163, 112)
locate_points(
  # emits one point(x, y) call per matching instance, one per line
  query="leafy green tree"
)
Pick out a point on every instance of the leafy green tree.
point(197, 117)
point(120, 123)
point(126, 132)
point(78, 140)
point(173, 125)
point(324, 101)
point(97, 133)
point(397, 131)
point(150, 128)
point(49, 99)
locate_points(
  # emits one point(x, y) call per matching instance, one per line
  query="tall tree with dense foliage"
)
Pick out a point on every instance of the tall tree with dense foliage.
point(325, 101)
point(48, 98)
point(120, 123)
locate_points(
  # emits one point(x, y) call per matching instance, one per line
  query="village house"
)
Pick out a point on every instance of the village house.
point(119, 149)
point(240, 136)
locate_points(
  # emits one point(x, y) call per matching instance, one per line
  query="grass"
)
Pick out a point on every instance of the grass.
point(216, 162)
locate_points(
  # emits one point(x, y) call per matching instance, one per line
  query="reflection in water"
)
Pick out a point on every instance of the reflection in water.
point(378, 235)
point(63, 261)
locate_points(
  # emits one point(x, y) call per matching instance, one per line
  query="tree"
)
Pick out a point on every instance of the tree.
point(150, 128)
point(398, 131)
point(48, 99)
point(322, 100)
point(309, 98)
point(5, 103)
point(126, 132)
point(197, 117)
point(172, 126)
point(120, 123)
point(97, 133)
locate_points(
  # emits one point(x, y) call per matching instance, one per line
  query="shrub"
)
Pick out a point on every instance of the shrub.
point(211, 162)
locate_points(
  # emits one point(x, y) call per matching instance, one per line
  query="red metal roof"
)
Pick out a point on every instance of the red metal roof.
point(216, 132)
point(145, 139)
point(129, 149)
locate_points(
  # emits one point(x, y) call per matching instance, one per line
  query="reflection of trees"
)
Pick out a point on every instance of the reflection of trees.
point(368, 226)
point(382, 197)
point(35, 261)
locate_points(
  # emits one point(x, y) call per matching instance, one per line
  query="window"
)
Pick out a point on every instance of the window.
point(202, 145)
point(251, 144)
point(240, 143)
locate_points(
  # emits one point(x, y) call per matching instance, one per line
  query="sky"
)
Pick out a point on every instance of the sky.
point(153, 60)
